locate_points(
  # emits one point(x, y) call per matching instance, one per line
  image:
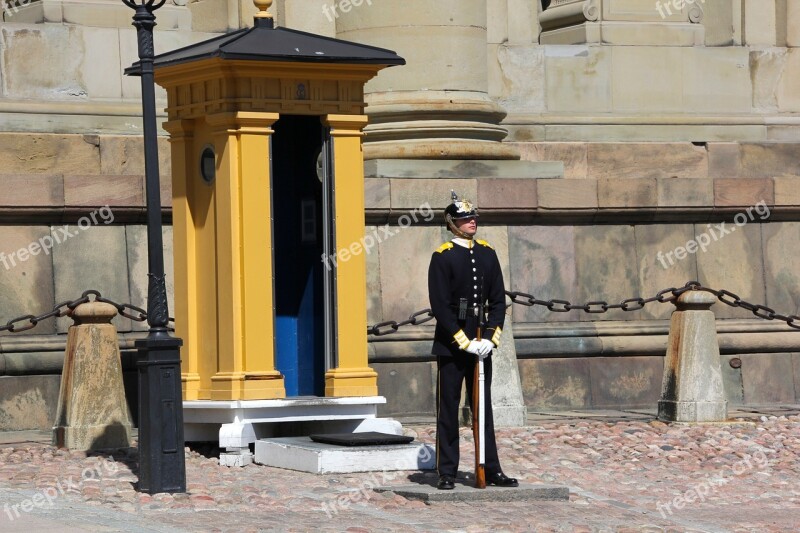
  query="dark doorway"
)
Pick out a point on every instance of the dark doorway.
point(298, 248)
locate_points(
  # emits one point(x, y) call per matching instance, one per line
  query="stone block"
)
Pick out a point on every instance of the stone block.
point(566, 194)
point(765, 160)
point(542, 260)
point(659, 268)
point(40, 62)
point(496, 21)
point(502, 193)
point(786, 92)
point(732, 381)
point(625, 382)
point(409, 388)
point(573, 156)
point(124, 155)
point(579, 78)
point(91, 258)
point(413, 193)
point(404, 269)
point(743, 192)
point(781, 243)
point(136, 244)
point(26, 283)
point(555, 383)
point(34, 153)
point(759, 22)
point(733, 262)
point(377, 193)
point(627, 193)
point(210, 15)
point(718, 22)
point(793, 23)
point(28, 402)
point(373, 282)
point(646, 160)
point(29, 190)
point(768, 378)
point(647, 79)
point(604, 271)
point(766, 68)
point(716, 80)
point(520, 82)
point(685, 192)
point(101, 69)
point(724, 160)
point(103, 190)
point(497, 237)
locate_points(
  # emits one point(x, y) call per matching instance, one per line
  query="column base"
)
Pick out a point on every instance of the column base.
point(190, 386)
point(247, 386)
point(342, 382)
point(435, 125)
point(675, 411)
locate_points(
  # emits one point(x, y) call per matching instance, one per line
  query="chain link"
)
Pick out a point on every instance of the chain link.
point(26, 322)
point(600, 306)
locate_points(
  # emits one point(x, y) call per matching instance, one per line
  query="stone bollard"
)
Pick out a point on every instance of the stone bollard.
point(508, 404)
point(692, 389)
point(92, 412)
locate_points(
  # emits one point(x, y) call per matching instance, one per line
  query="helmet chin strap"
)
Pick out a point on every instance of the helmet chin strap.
point(455, 230)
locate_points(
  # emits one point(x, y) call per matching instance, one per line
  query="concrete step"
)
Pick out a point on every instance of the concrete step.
point(305, 455)
point(468, 493)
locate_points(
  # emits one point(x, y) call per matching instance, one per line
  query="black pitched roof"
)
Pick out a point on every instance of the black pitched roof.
point(267, 43)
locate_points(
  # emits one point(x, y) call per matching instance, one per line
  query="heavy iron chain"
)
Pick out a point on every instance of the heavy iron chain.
point(600, 306)
point(26, 322)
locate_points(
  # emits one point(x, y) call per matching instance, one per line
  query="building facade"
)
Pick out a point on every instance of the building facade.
point(599, 138)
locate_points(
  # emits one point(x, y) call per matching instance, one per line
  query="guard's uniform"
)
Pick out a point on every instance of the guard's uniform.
point(461, 273)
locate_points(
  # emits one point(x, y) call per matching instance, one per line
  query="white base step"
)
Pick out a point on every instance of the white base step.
point(305, 455)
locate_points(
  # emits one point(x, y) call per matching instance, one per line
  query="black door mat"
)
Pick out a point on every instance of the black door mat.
point(368, 438)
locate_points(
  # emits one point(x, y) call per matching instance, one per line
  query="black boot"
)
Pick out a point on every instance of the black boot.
point(501, 480)
point(446, 483)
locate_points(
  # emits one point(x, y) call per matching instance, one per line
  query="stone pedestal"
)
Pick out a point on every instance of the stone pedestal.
point(692, 389)
point(92, 413)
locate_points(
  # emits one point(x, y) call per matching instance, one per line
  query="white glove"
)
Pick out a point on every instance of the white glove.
point(474, 346)
point(485, 348)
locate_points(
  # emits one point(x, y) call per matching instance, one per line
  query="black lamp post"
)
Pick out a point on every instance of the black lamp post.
point(162, 466)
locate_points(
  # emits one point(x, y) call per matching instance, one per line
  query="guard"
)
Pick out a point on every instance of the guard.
point(464, 274)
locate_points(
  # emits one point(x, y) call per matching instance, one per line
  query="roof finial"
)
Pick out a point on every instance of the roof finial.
point(262, 6)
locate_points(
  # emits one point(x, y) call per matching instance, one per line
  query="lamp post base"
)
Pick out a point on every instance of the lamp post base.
point(161, 445)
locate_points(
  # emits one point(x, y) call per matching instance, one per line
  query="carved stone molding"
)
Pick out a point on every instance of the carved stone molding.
point(621, 22)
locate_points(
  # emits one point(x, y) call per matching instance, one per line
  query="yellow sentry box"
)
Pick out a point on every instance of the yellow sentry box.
point(247, 112)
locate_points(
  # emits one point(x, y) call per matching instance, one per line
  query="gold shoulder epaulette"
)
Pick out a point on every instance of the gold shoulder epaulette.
point(443, 248)
point(483, 243)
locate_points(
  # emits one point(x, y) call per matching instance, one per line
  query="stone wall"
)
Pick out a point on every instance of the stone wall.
point(630, 147)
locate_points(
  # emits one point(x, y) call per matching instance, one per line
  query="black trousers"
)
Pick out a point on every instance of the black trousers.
point(452, 371)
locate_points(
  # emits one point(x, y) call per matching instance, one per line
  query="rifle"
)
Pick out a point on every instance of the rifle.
point(478, 407)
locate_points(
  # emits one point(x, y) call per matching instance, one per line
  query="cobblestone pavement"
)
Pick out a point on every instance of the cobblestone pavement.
point(626, 473)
